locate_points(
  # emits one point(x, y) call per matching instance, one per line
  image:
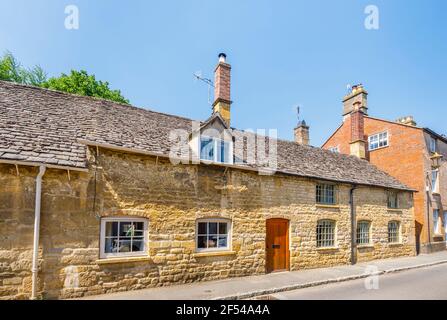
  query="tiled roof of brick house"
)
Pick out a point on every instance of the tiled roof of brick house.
point(44, 126)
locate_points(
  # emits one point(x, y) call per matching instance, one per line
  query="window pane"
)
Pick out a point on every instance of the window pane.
point(222, 241)
point(201, 242)
point(325, 194)
point(212, 241)
point(126, 229)
point(111, 229)
point(111, 245)
point(207, 149)
point(137, 245)
point(325, 233)
point(125, 245)
point(222, 228)
point(212, 228)
point(202, 228)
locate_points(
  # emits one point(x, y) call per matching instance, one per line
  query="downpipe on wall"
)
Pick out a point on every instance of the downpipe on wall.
point(35, 267)
point(353, 225)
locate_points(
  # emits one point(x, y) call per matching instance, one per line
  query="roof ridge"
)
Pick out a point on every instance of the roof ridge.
point(96, 99)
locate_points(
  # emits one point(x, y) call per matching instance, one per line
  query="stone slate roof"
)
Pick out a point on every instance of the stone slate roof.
point(45, 126)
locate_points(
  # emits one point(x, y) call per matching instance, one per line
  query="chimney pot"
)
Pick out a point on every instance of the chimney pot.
point(222, 57)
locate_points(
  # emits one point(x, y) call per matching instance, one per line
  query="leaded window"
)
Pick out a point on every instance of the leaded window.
point(393, 232)
point(363, 232)
point(325, 233)
point(393, 200)
point(325, 193)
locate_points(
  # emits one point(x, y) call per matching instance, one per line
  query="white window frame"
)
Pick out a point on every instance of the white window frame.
point(219, 220)
point(335, 149)
point(435, 181)
point(215, 147)
point(432, 145)
point(104, 255)
point(436, 221)
point(377, 136)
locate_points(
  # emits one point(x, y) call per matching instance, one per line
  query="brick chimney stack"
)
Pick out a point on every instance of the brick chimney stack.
point(302, 133)
point(222, 84)
point(358, 94)
point(358, 143)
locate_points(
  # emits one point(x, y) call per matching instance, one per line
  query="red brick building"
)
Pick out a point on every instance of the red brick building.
point(414, 155)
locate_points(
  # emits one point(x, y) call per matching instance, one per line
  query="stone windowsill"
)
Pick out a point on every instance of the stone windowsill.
point(330, 206)
point(365, 246)
point(397, 244)
point(122, 260)
point(214, 253)
point(397, 210)
point(323, 249)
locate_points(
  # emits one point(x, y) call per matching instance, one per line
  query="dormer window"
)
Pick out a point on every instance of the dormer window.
point(214, 149)
point(432, 145)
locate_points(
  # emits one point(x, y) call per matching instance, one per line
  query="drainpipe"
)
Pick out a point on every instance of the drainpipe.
point(353, 223)
point(35, 267)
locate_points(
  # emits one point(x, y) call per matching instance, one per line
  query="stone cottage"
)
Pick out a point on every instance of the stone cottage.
point(99, 197)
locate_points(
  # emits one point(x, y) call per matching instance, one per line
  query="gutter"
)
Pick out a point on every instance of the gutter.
point(35, 267)
point(353, 225)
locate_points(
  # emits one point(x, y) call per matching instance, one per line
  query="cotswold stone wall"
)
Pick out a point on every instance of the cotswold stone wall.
point(172, 198)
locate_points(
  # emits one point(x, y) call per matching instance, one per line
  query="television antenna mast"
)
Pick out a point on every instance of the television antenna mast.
point(198, 76)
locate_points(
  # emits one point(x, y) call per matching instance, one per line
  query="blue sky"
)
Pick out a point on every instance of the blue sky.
point(283, 53)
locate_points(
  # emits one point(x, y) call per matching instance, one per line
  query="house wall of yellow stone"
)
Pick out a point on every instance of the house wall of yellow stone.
point(172, 198)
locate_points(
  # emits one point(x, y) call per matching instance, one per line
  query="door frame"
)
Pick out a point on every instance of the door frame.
point(287, 245)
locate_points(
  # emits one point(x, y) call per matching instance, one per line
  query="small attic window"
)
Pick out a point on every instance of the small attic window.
point(214, 149)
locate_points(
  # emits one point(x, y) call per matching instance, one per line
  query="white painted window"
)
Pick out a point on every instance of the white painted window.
point(123, 237)
point(393, 232)
point(432, 145)
point(393, 200)
point(379, 140)
point(325, 233)
point(335, 149)
point(436, 221)
point(363, 232)
point(214, 149)
point(213, 234)
point(434, 180)
point(326, 193)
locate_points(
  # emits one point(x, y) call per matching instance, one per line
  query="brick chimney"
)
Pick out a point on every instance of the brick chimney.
point(222, 83)
point(358, 143)
point(358, 94)
point(302, 133)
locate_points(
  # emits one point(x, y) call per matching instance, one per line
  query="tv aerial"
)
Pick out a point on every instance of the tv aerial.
point(209, 82)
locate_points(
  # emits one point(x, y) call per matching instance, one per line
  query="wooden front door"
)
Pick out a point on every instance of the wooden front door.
point(277, 245)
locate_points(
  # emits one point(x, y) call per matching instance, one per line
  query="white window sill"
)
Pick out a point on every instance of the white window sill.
point(114, 260)
point(213, 253)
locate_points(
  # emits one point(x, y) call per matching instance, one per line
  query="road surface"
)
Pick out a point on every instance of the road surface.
point(424, 283)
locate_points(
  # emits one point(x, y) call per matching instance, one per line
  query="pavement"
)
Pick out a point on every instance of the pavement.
point(418, 284)
point(273, 283)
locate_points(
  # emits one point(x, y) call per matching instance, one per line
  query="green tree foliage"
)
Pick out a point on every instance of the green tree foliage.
point(80, 82)
point(11, 70)
point(77, 82)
